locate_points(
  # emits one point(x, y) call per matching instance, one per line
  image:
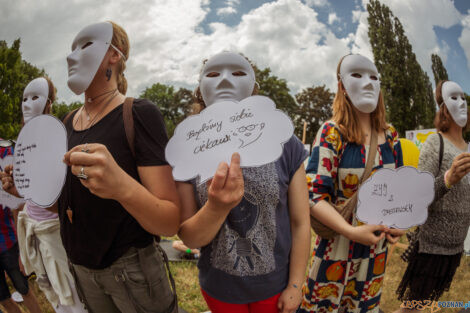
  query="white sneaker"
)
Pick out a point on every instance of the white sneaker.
point(17, 297)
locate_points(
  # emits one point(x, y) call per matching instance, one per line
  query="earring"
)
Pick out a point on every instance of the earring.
point(257, 85)
point(108, 74)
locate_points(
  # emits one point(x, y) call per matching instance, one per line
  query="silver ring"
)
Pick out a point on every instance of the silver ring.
point(82, 174)
point(86, 150)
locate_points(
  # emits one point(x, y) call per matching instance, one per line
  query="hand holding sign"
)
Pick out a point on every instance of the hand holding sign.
point(226, 189)
point(252, 127)
point(460, 167)
point(6, 199)
point(39, 172)
point(396, 198)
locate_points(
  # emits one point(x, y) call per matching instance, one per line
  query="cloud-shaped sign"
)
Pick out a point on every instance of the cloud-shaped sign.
point(38, 170)
point(7, 200)
point(398, 198)
point(252, 127)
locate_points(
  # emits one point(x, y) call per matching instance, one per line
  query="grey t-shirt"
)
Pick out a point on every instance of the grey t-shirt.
point(248, 260)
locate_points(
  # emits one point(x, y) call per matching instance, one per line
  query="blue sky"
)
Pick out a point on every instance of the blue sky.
point(300, 40)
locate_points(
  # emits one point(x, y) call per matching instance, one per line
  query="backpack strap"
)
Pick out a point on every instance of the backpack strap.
point(441, 150)
point(128, 118)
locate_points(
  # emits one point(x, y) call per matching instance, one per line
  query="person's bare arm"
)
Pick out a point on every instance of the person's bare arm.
point(364, 234)
point(300, 229)
point(225, 191)
point(154, 203)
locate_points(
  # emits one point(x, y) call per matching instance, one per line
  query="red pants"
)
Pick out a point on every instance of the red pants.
point(264, 306)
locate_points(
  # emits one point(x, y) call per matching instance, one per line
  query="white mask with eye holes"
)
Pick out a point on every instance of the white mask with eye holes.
point(361, 80)
point(454, 98)
point(88, 50)
point(35, 98)
point(226, 76)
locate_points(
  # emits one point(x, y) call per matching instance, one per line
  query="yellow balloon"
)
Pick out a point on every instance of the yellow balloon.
point(410, 152)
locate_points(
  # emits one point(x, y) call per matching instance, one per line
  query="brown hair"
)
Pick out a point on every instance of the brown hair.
point(443, 119)
point(345, 116)
point(199, 104)
point(50, 96)
point(121, 42)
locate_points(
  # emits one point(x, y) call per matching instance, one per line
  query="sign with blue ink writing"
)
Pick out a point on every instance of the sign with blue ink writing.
point(38, 170)
point(252, 127)
point(398, 198)
point(7, 200)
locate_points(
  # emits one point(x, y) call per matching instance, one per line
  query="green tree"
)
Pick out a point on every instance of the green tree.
point(59, 110)
point(175, 105)
point(15, 74)
point(438, 69)
point(277, 90)
point(315, 107)
point(406, 88)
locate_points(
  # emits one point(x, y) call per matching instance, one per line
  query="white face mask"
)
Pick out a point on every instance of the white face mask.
point(454, 98)
point(226, 76)
point(34, 98)
point(361, 80)
point(88, 50)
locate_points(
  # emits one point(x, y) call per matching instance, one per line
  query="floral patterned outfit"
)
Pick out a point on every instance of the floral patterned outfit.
point(344, 273)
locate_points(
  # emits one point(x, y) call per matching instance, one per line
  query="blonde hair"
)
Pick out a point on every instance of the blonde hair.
point(345, 116)
point(121, 42)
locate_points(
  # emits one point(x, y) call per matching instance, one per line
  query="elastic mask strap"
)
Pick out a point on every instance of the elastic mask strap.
point(119, 51)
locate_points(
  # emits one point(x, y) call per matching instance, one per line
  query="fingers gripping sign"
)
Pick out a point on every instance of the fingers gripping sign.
point(226, 189)
point(97, 169)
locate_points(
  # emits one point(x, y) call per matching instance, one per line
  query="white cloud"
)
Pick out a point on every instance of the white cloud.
point(464, 39)
point(226, 11)
point(356, 15)
point(229, 9)
point(168, 46)
point(332, 17)
point(418, 19)
point(316, 3)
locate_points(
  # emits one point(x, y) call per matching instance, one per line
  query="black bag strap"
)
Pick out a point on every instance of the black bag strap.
point(441, 150)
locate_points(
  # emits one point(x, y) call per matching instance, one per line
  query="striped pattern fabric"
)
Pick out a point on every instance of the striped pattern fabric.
point(7, 229)
point(344, 273)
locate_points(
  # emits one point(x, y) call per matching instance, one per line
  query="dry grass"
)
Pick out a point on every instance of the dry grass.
point(190, 298)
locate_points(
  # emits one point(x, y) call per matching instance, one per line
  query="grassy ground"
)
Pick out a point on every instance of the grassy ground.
point(190, 298)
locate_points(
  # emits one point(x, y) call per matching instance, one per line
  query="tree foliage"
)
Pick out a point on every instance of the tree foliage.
point(315, 105)
point(406, 88)
point(175, 105)
point(15, 74)
point(438, 69)
point(277, 90)
point(59, 110)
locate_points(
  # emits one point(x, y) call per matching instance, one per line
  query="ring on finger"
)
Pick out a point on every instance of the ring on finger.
point(82, 174)
point(85, 149)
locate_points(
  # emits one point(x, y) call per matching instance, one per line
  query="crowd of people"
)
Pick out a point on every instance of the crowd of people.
point(252, 225)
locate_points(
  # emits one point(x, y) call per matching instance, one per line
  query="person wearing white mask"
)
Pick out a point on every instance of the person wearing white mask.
point(347, 269)
point(252, 224)
point(119, 192)
point(38, 228)
point(436, 247)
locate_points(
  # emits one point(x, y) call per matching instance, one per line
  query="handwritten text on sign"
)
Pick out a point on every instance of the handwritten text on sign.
point(398, 198)
point(39, 172)
point(252, 127)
